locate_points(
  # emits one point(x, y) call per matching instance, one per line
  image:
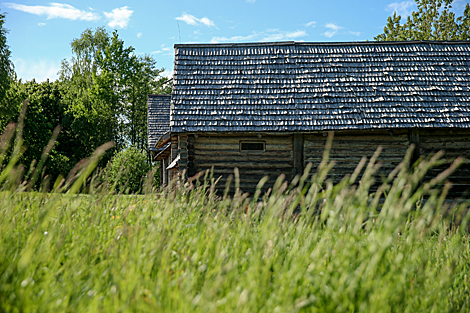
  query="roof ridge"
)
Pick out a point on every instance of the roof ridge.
point(346, 43)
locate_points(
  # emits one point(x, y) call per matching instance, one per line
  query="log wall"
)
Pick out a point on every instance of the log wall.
point(289, 154)
point(348, 148)
point(455, 143)
point(223, 153)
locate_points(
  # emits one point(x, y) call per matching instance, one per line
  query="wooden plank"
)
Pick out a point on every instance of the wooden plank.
point(225, 146)
point(298, 154)
point(264, 157)
point(366, 138)
point(183, 152)
point(447, 132)
point(446, 138)
point(238, 154)
point(414, 139)
point(244, 164)
point(245, 171)
point(236, 140)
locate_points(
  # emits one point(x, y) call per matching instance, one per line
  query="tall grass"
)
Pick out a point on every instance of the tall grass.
point(307, 246)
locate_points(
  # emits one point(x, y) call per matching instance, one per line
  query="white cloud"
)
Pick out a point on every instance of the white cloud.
point(192, 20)
point(269, 35)
point(355, 33)
point(139, 35)
point(310, 24)
point(333, 30)
point(279, 36)
point(403, 8)
point(168, 74)
point(119, 17)
point(56, 10)
point(41, 24)
point(251, 1)
point(41, 71)
point(234, 38)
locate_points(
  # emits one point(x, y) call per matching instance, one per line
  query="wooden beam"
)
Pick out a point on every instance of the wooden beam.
point(183, 152)
point(298, 154)
point(414, 139)
point(162, 173)
point(190, 149)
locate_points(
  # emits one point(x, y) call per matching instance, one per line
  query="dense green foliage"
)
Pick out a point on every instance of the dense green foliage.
point(107, 88)
point(432, 21)
point(45, 112)
point(6, 74)
point(127, 170)
point(306, 247)
point(101, 96)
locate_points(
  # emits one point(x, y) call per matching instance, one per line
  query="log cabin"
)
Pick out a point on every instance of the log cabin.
point(265, 108)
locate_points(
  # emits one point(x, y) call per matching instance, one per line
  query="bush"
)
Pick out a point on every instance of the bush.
point(127, 170)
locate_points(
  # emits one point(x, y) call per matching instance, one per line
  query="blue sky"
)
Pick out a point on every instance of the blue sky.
point(41, 31)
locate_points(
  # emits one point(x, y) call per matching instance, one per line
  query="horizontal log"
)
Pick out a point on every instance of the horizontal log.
point(244, 164)
point(368, 137)
point(236, 140)
point(449, 154)
point(370, 146)
point(444, 139)
point(354, 158)
point(238, 154)
point(245, 171)
point(225, 146)
point(447, 132)
point(236, 158)
point(356, 152)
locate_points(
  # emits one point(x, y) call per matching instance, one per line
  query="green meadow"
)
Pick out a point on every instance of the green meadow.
point(306, 246)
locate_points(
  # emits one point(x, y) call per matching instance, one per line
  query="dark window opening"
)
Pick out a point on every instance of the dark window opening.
point(252, 146)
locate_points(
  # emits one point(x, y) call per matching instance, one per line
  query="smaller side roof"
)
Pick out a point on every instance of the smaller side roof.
point(158, 116)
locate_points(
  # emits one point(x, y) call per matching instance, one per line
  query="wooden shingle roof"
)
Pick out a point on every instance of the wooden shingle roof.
point(320, 86)
point(158, 118)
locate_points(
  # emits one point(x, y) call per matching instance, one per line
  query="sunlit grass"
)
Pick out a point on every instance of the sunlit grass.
point(310, 246)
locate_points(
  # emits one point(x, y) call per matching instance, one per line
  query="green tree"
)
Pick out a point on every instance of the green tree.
point(44, 113)
point(128, 169)
point(432, 21)
point(6, 76)
point(107, 90)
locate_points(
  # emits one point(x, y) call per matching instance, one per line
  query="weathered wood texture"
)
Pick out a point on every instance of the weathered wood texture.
point(223, 153)
point(298, 154)
point(455, 143)
point(183, 152)
point(348, 148)
point(174, 152)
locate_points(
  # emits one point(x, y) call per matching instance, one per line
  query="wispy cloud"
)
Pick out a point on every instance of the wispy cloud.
point(251, 1)
point(41, 24)
point(403, 8)
point(56, 10)
point(39, 70)
point(234, 38)
point(192, 20)
point(277, 35)
point(355, 33)
point(139, 35)
point(333, 30)
point(119, 17)
point(163, 49)
point(310, 24)
point(269, 35)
